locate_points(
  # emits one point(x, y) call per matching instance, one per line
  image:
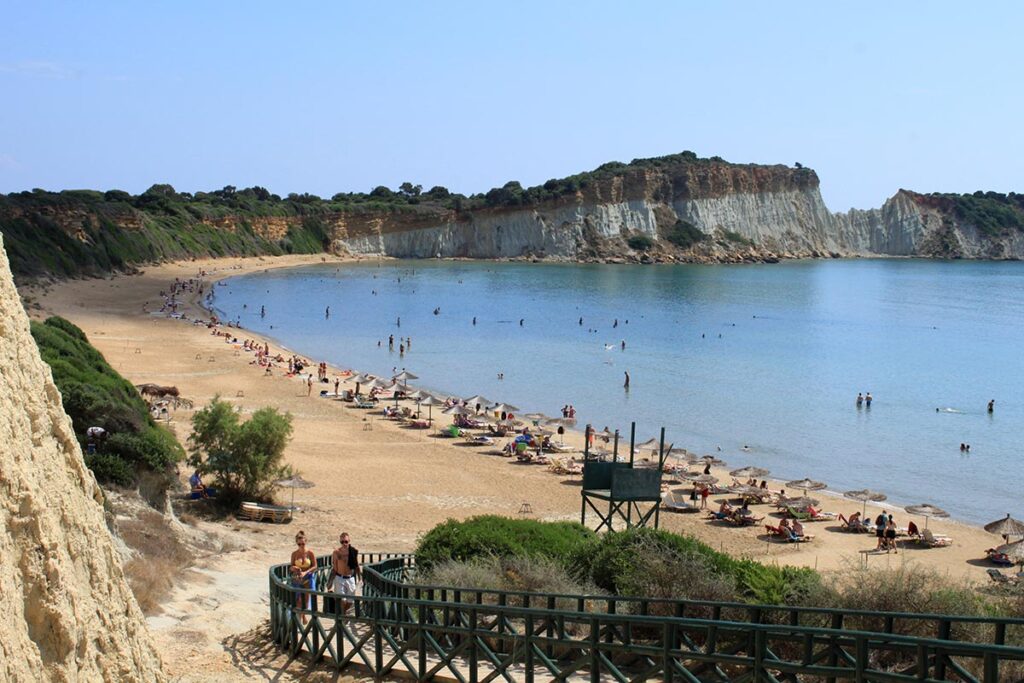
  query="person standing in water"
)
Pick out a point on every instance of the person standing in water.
point(626, 384)
point(992, 406)
point(860, 399)
point(867, 400)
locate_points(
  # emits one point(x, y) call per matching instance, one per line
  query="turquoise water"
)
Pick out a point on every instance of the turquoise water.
point(765, 356)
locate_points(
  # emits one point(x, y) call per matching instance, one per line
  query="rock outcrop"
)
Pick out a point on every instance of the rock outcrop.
point(69, 614)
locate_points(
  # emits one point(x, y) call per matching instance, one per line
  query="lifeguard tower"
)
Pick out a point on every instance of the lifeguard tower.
point(614, 489)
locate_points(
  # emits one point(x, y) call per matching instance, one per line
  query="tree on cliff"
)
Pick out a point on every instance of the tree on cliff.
point(243, 457)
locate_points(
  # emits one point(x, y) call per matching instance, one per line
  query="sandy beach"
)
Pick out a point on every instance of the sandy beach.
point(382, 483)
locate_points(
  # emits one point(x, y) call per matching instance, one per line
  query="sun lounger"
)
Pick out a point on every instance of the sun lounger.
point(419, 424)
point(932, 541)
point(778, 532)
point(1000, 577)
point(805, 516)
point(259, 512)
point(480, 440)
point(676, 502)
point(365, 404)
point(562, 448)
point(1002, 559)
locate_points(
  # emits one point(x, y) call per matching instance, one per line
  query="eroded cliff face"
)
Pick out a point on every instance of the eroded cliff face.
point(747, 213)
point(68, 613)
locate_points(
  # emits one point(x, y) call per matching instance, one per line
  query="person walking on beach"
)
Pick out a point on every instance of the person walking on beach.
point(626, 384)
point(337, 381)
point(890, 535)
point(704, 493)
point(881, 521)
point(345, 570)
point(309, 384)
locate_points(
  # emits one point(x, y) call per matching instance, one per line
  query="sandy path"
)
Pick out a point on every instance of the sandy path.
point(382, 483)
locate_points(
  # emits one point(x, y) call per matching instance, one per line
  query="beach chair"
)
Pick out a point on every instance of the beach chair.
point(676, 502)
point(1002, 559)
point(932, 541)
point(1000, 578)
point(260, 512)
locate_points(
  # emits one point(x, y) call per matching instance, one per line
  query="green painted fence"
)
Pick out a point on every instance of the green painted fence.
point(400, 628)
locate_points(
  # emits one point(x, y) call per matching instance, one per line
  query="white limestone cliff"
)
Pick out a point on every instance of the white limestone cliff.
point(68, 613)
point(792, 222)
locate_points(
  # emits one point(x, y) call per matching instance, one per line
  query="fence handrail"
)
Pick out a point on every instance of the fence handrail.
point(409, 558)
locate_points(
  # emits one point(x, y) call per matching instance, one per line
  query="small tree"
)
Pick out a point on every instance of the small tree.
point(243, 457)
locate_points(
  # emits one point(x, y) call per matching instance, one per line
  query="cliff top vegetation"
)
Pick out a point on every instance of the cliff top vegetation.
point(991, 213)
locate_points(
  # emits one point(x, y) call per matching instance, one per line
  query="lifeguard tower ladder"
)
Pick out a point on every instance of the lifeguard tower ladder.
point(622, 486)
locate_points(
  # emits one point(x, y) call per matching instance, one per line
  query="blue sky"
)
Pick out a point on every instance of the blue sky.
point(343, 96)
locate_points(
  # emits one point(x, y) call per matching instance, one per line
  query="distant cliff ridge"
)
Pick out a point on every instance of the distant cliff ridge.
point(678, 208)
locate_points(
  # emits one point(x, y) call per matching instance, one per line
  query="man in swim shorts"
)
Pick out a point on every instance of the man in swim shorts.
point(345, 568)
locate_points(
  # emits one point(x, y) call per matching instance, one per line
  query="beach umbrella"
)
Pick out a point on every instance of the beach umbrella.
point(927, 510)
point(712, 460)
point(798, 502)
point(536, 418)
point(459, 410)
point(748, 472)
point(806, 485)
point(698, 478)
point(429, 402)
point(745, 491)
point(359, 378)
point(404, 376)
point(503, 408)
point(477, 400)
point(294, 482)
point(864, 495)
point(1006, 527)
point(1014, 551)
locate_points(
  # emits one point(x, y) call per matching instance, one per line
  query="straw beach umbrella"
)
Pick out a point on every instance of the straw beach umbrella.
point(1006, 527)
point(504, 408)
point(864, 495)
point(806, 485)
point(799, 502)
point(477, 400)
point(748, 472)
point(294, 482)
point(429, 402)
point(458, 410)
point(697, 478)
point(712, 460)
point(404, 376)
point(1014, 551)
point(927, 510)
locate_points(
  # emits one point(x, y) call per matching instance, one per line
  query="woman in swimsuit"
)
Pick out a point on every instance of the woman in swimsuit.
point(303, 568)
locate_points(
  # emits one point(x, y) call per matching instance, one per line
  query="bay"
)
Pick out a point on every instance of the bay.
point(761, 361)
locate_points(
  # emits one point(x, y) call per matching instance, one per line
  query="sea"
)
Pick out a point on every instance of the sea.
point(755, 364)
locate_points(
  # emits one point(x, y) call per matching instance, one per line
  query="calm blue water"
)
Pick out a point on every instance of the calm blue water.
point(768, 356)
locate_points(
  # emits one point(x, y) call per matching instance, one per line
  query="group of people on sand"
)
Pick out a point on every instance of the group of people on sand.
point(345, 572)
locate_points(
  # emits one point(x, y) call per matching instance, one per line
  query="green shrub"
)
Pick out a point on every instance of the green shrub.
point(95, 395)
point(685, 234)
point(244, 457)
point(110, 468)
point(732, 236)
point(634, 560)
point(639, 242)
point(491, 535)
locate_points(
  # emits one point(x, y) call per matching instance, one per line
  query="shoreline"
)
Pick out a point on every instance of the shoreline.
point(384, 484)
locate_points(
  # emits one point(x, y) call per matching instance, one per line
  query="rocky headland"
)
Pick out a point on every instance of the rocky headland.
point(678, 208)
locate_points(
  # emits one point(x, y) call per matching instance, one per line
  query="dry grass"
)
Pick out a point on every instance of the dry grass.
point(160, 557)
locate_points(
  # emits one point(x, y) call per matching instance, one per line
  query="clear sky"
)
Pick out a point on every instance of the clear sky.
point(344, 96)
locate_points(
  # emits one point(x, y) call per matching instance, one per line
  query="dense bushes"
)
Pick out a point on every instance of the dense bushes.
point(95, 395)
point(684, 234)
point(637, 562)
point(639, 242)
point(499, 537)
point(245, 458)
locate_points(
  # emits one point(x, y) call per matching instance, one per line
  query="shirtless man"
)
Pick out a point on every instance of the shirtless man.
point(345, 569)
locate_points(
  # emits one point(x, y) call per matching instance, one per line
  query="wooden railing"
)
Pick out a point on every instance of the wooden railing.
point(471, 635)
